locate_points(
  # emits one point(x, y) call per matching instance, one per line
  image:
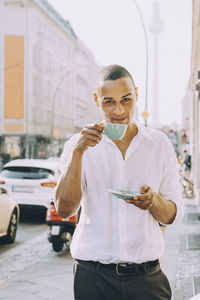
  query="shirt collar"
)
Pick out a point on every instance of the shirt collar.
point(142, 131)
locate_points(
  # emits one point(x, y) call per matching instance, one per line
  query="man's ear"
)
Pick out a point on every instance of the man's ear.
point(96, 99)
point(136, 93)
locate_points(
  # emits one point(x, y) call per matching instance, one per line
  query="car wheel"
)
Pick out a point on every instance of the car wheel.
point(57, 244)
point(12, 229)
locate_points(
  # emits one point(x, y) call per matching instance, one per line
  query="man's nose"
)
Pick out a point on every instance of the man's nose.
point(118, 108)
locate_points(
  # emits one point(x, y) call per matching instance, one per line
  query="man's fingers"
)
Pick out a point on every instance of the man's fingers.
point(145, 200)
point(144, 188)
point(136, 201)
point(91, 132)
point(92, 143)
point(97, 127)
point(143, 204)
point(92, 138)
point(145, 196)
point(141, 198)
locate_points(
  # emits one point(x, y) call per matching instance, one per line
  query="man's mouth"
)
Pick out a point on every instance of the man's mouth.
point(119, 120)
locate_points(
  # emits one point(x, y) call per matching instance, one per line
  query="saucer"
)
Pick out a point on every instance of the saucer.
point(124, 194)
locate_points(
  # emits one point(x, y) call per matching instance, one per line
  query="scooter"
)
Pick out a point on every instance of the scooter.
point(61, 230)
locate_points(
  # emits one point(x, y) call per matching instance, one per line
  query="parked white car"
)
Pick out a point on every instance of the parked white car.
point(9, 217)
point(29, 182)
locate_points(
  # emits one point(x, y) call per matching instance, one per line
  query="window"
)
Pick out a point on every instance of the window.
point(82, 89)
point(48, 116)
point(80, 115)
point(38, 114)
point(36, 86)
point(26, 172)
point(48, 59)
point(68, 103)
point(48, 89)
point(62, 94)
point(68, 123)
point(36, 55)
point(37, 24)
point(67, 100)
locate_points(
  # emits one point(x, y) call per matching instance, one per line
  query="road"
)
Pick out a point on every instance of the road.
point(29, 226)
point(32, 257)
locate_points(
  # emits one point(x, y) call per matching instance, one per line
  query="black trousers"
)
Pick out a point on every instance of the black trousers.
point(93, 282)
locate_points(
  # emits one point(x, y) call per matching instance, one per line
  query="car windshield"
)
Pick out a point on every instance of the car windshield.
point(26, 172)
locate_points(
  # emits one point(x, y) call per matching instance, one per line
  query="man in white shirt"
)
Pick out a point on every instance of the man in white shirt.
point(117, 243)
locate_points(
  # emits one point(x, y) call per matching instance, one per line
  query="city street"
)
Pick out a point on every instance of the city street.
point(32, 256)
point(29, 226)
point(84, 115)
point(33, 271)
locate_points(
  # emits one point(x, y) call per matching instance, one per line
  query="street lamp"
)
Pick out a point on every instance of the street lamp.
point(156, 28)
point(145, 114)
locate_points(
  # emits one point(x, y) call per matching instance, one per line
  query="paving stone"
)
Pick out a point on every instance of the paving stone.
point(193, 217)
point(194, 241)
point(197, 284)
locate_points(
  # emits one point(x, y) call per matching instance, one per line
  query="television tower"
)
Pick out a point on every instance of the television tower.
point(156, 27)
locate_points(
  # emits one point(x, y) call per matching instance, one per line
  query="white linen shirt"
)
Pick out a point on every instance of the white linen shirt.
point(111, 230)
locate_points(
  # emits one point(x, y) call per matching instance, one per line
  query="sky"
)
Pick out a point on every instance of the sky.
point(113, 31)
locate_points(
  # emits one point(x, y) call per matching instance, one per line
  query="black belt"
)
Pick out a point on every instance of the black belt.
point(125, 268)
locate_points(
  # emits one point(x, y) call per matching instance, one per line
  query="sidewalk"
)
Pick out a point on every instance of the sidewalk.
point(181, 261)
point(50, 277)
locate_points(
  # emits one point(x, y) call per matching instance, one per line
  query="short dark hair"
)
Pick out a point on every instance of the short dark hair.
point(113, 72)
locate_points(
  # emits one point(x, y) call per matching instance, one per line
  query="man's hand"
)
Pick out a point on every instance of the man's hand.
point(90, 136)
point(144, 201)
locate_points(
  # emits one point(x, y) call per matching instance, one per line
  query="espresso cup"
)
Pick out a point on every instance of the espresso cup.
point(115, 131)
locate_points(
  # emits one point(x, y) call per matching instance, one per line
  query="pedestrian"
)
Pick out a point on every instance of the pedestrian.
point(187, 164)
point(117, 244)
point(180, 160)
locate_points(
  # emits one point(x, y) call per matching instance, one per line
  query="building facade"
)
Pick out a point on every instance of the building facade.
point(194, 96)
point(47, 76)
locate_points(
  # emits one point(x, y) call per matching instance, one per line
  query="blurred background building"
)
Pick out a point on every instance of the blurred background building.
point(191, 104)
point(47, 76)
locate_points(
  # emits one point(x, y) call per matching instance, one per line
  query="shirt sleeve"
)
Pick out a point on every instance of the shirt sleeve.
point(65, 157)
point(170, 188)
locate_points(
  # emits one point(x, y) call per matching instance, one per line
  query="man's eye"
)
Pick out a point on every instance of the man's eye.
point(108, 101)
point(126, 99)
